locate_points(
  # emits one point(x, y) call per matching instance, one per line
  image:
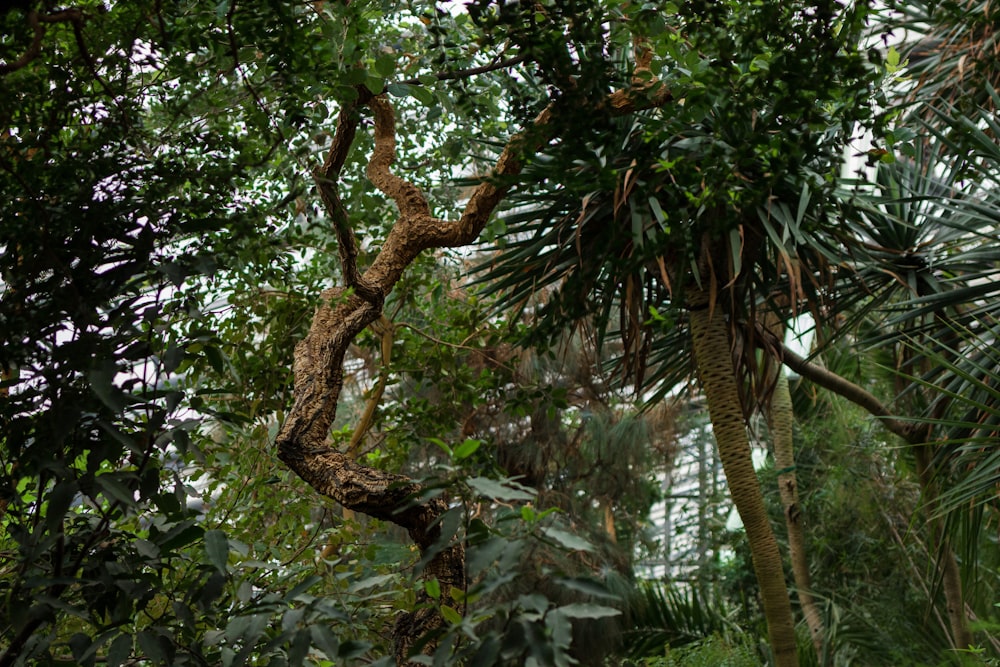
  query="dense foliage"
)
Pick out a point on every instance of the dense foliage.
point(353, 332)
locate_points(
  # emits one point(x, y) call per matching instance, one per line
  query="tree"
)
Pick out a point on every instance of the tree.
point(694, 199)
point(780, 421)
point(186, 182)
point(161, 108)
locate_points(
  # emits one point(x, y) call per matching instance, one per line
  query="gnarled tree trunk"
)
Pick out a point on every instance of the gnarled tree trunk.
point(303, 440)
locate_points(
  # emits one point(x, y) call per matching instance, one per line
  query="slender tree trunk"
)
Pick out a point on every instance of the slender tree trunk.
point(780, 420)
point(951, 575)
point(917, 436)
point(718, 379)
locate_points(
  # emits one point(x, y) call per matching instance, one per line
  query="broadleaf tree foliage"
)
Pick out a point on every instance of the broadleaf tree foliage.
point(413, 258)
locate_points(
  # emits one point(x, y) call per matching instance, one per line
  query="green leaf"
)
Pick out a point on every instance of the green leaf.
point(353, 649)
point(568, 540)
point(59, 500)
point(804, 198)
point(302, 587)
point(300, 647)
point(119, 651)
point(370, 582)
point(150, 644)
point(443, 445)
point(215, 358)
point(375, 84)
point(385, 65)
point(482, 555)
point(82, 647)
point(399, 89)
point(892, 60)
point(466, 449)
point(587, 610)
point(451, 615)
point(433, 588)
point(180, 535)
point(487, 654)
point(422, 95)
point(114, 489)
point(324, 639)
point(736, 250)
point(661, 218)
point(587, 586)
point(217, 548)
point(499, 491)
point(102, 383)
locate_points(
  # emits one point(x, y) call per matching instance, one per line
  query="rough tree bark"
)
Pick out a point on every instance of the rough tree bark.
point(303, 442)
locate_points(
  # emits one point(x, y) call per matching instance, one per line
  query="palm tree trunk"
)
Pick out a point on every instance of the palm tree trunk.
point(779, 421)
point(718, 379)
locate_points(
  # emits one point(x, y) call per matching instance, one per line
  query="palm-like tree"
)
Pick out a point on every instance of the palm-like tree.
point(684, 218)
point(945, 231)
point(952, 54)
point(688, 219)
point(920, 290)
point(931, 266)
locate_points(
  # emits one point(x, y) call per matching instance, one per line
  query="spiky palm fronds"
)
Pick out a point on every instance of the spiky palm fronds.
point(953, 52)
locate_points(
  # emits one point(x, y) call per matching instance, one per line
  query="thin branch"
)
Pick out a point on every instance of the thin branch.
point(326, 178)
point(471, 71)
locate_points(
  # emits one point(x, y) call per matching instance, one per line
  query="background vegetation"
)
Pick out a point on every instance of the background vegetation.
point(648, 201)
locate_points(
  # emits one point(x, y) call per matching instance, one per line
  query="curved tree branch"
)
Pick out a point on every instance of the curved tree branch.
point(472, 71)
point(910, 432)
point(326, 178)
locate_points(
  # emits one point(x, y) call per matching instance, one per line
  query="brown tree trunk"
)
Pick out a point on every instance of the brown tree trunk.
point(713, 357)
point(303, 446)
point(780, 420)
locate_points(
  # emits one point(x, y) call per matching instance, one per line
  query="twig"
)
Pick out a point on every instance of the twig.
point(471, 71)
